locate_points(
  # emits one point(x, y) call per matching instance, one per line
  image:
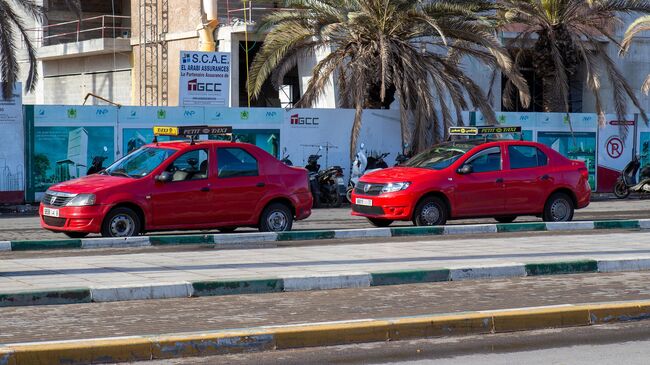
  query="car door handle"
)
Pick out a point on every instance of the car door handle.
point(545, 177)
point(205, 189)
point(260, 185)
point(499, 180)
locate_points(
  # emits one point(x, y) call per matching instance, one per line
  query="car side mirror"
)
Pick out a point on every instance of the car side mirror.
point(465, 169)
point(164, 177)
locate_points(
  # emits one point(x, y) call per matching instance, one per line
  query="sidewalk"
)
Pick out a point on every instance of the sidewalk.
point(216, 272)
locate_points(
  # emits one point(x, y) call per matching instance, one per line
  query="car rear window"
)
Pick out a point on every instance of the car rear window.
point(522, 157)
point(235, 162)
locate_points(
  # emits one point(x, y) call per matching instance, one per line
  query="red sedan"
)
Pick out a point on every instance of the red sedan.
point(475, 178)
point(179, 186)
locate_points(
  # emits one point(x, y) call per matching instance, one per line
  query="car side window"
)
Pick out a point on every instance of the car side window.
point(192, 165)
point(522, 157)
point(236, 162)
point(487, 160)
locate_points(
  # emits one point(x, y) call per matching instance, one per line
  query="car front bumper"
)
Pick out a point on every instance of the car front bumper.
point(392, 206)
point(74, 219)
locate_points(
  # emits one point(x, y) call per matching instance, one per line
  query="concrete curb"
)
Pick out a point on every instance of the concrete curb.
point(265, 239)
point(325, 281)
point(269, 338)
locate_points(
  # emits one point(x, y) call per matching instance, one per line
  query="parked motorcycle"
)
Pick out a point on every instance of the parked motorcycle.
point(626, 183)
point(363, 165)
point(97, 165)
point(403, 156)
point(285, 158)
point(326, 186)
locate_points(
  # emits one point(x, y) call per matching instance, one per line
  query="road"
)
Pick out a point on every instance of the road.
point(603, 345)
point(28, 228)
point(93, 320)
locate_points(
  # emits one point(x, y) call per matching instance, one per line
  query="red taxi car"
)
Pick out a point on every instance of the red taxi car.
point(181, 185)
point(475, 178)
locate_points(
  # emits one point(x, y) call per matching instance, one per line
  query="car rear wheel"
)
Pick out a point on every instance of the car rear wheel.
point(620, 190)
point(509, 219)
point(558, 208)
point(276, 217)
point(378, 222)
point(431, 211)
point(121, 222)
point(76, 234)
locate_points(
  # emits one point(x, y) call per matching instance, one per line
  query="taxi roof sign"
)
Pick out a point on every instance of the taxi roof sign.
point(191, 130)
point(474, 131)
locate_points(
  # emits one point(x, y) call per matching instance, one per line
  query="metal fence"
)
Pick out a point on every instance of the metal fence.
point(103, 26)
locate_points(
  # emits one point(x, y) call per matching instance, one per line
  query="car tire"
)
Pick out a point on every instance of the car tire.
point(121, 222)
point(378, 222)
point(508, 219)
point(348, 194)
point(431, 211)
point(276, 217)
point(620, 190)
point(227, 229)
point(558, 208)
point(76, 234)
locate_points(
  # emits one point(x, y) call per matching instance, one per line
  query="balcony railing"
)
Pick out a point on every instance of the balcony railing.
point(103, 26)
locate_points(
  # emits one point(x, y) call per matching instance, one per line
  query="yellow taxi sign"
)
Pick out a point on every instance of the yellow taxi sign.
point(165, 131)
point(463, 131)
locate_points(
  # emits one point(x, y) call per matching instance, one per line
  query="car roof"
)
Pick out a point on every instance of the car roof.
point(182, 144)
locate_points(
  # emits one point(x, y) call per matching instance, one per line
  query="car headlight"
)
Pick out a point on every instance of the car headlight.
point(393, 187)
point(82, 200)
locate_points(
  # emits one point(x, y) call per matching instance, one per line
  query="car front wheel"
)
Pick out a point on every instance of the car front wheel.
point(430, 211)
point(121, 222)
point(558, 208)
point(276, 217)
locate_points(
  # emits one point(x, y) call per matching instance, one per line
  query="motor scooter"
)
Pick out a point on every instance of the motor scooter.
point(313, 167)
point(363, 165)
point(626, 182)
point(98, 163)
point(285, 158)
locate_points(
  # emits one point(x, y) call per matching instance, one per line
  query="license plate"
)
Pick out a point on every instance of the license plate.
point(367, 202)
point(51, 212)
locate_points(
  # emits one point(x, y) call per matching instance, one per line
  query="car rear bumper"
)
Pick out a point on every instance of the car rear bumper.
point(303, 203)
point(394, 206)
point(74, 219)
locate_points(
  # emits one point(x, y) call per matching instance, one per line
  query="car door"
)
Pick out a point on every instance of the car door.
point(239, 185)
point(186, 200)
point(480, 192)
point(527, 179)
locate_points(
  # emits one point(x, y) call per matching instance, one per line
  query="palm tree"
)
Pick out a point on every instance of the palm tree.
point(560, 36)
point(12, 28)
point(638, 26)
point(409, 48)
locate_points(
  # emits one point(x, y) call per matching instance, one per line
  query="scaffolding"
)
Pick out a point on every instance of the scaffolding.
point(149, 40)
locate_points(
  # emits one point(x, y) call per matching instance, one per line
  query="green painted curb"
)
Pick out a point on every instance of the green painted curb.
point(244, 286)
point(408, 277)
point(416, 231)
point(625, 224)
point(521, 227)
point(181, 240)
point(305, 235)
point(46, 297)
point(44, 245)
point(555, 268)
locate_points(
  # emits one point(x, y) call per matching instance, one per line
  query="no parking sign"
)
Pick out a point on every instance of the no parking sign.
point(614, 151)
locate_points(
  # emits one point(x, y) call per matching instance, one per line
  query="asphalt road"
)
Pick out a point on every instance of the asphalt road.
point(613, 344)
point(14, 227)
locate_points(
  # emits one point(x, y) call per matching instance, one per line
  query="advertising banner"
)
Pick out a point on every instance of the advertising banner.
point(12, 151)
point(204, 78)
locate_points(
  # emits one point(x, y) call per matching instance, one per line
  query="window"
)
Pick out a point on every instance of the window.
point(140, 163)
point(235, 162)
point(487, 160)
point(191, 165)
point(522, 157)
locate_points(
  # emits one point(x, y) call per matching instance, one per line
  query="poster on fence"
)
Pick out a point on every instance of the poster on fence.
point(12, 155)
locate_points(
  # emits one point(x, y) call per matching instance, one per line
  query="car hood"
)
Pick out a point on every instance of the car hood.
point(91, 184)
point(397, 174)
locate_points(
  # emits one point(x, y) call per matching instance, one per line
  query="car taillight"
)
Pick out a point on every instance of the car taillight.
point(584, 172)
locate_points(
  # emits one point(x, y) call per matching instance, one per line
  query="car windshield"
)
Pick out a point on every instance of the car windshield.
point(140, 162)
point(440, 156)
